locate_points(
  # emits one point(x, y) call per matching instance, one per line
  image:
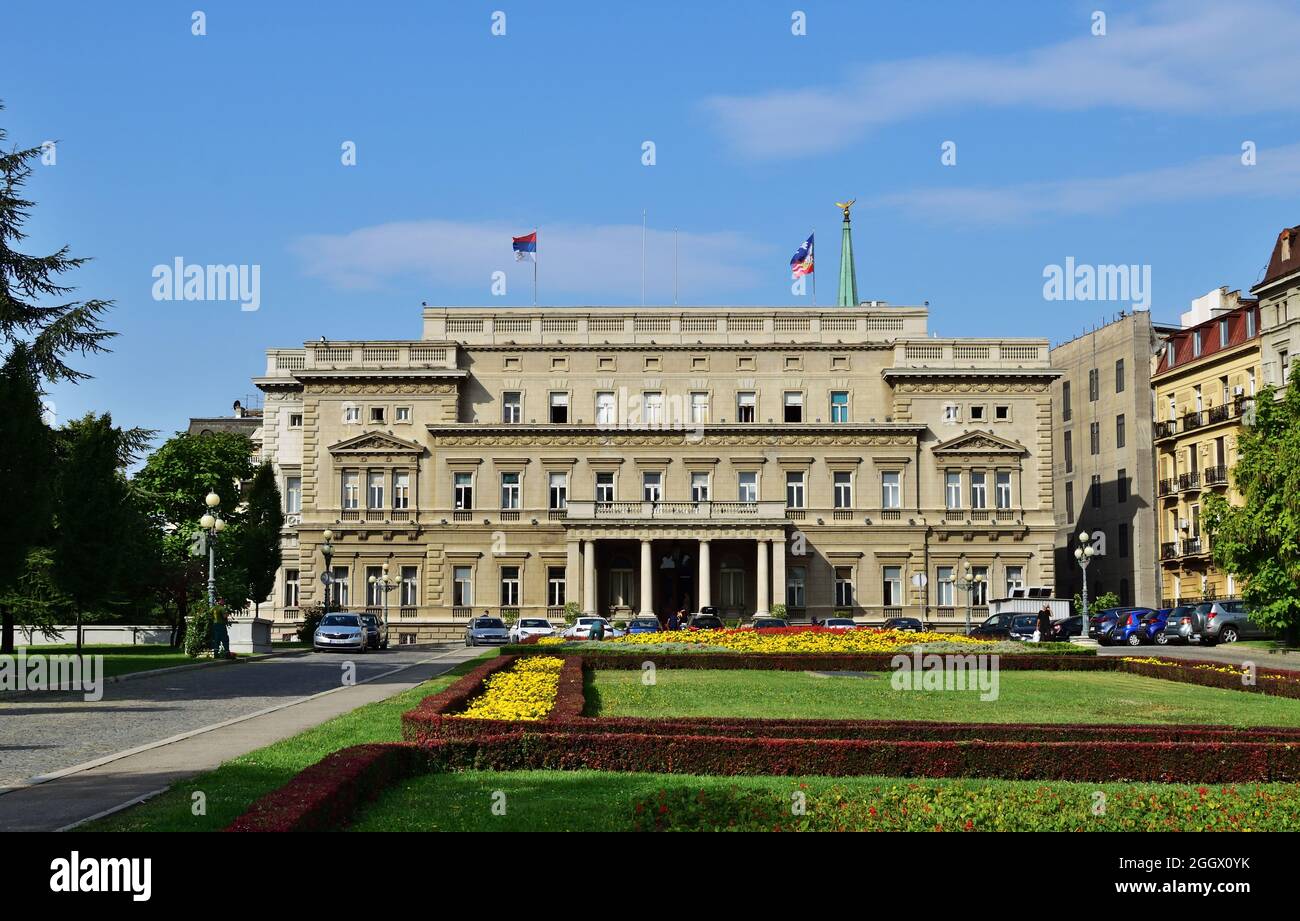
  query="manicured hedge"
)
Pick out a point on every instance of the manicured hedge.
point(1270, 681)
point(1184, 762)
point(327, 795)
point(454, 698)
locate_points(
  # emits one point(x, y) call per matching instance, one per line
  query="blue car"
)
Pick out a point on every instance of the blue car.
point(1135, 628)
point(643, 625)
point(1154, 629)
point(1114, 626)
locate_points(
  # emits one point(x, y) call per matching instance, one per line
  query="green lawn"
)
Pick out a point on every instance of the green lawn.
point(596, 801)
point(234, 786)
point(120, 660)
point(1024, 697)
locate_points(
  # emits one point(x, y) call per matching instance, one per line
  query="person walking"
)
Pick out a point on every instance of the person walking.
point(1043, 633)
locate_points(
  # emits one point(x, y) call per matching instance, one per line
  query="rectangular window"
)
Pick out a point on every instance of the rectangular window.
point(977, 413)
point(892, 587)
point(1196, 344)
point(377, 415)
point(291, 586)
point(1065, 401)
point(555, 586)
point(1002, 483)
point(946, 591)
point(374, 589)
point(1095, 490)
point(732, 587)
point(295, 420)
point(793, 406)
point(1122, 540)
point(952, 490)
point(403, 414)
point(1094, 385)
point(1250, 324)
point(1094, 438)
point(652, 486)
point(351, 489)
point(512, 409)
point(293, 495)
point(1121, 484)
point(1069, 503)
point(1015, 577)
point(559, 408)
point(1120, 435)
point(604, 487)
point(652, 403)
point(699, 408)
point(844, 586)
point(401, 489)
point(980, 590)
point(1069, 452)
point(339, 587)
point(463, 491)
point(794, 489)
point(746, 401)
point(621, 588)
point(462, 587)
point(351, 414)
point(1001, 412)
point(1223, 334)
point(839, 406)
point(891, 489)
point(796, 579)
point(699, 486)
point(979, 490)
point(558, 492)
point(375, 489)
point(410, 596)
point(510, 491)
point(509, 586)
point(1119, 375)
point(843, 489)
point(605, 408)
point(748, 486)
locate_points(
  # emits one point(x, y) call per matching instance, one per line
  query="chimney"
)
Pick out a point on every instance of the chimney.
point(1286, 245)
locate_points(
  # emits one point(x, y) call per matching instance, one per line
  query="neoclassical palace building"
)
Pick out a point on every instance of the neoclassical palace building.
point(638, 461)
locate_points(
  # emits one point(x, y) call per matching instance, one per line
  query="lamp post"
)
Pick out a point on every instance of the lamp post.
point(212, 523)
point(968, 583)
point(327, 577)
point(1084, 554)
point(385, 585)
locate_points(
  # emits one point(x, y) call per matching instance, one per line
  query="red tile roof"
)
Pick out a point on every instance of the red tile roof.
point(1184, 341)
point(1289, 241)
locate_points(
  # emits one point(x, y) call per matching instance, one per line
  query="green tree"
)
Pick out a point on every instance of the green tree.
point(28, 284)
point(263, 522)
point(35, 599)
point(1259, 540)
point(174, 480)
point(26, 462)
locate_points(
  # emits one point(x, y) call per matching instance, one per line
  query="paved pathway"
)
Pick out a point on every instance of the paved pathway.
point(204, 717)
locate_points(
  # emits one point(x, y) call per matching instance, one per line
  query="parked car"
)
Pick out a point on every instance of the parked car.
point(767, 623)
point(1130, 629)
point(525, 627)
point(705, 622)
point(1065, 628)
point(1153, 627)
point(581, 629)
point(1022, 627)
point(1223, 621)
point(374, 635)
point(839, 623)
point(643, 625)
point(486, 631)
point(995, 627)
point(1102, 622)
point(340, 631)
point(910, 624)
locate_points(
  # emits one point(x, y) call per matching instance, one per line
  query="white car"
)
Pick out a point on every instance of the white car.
point(525, 627)
point(581, 629)
point(840, 623)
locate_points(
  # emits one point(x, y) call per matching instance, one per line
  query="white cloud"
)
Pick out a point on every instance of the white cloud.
point(1276, 172)
point(574, 259)
point(1188, 56)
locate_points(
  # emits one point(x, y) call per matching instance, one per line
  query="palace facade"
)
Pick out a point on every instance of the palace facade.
point(642, 461)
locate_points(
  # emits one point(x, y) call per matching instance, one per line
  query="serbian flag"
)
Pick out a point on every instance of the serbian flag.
point(525, 246)
point(801, 263)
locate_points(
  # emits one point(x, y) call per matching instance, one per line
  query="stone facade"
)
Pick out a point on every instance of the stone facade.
point(1279, 309)
point(645, 460)
point(1105, 459)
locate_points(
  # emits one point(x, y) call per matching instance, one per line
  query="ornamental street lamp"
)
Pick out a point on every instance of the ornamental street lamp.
point(969, 583)
point(1084, 554)
point(385, 585)
point(212, 523)
point(327, 577)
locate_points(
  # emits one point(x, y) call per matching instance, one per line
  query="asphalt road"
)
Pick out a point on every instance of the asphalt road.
point(45, 732)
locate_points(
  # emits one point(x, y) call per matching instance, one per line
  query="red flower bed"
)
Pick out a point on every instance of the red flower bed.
point(327, 795)
point(1209, 762)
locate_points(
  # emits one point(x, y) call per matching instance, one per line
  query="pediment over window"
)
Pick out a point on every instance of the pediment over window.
point(980, 443)
point(375, 443)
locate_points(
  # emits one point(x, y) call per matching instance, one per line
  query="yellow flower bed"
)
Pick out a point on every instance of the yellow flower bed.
point(797, 641)
point(1200, 666)
point(525, 691)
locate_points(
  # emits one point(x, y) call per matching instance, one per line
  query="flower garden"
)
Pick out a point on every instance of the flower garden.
point(542, 710)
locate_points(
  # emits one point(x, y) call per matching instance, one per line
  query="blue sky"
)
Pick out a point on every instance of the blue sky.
point(225, 148)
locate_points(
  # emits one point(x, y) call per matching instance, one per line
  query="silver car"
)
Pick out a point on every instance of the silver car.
point(486, 631)
point(340, 631)
point(1219, 622)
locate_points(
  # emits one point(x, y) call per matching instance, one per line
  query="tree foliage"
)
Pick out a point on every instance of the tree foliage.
point(264, 520)
point(1258, 542)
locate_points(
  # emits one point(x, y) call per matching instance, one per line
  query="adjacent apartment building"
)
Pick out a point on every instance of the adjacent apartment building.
point(642, 461)
point(1279, 308)
point(1205, 380)
point(1104, 458)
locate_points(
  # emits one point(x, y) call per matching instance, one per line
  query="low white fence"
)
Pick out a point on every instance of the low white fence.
point(97, 635)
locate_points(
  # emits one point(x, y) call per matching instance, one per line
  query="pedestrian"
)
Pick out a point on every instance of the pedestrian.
point(1043, 633)
point(597, 629)
point(681, 619)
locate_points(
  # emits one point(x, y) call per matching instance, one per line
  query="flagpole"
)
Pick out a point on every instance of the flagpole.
point(536, 254)
point(674, 266)
point(643, 257)
point(812, 252)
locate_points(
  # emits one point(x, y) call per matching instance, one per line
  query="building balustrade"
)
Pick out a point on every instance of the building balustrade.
point(1193, 420)
point(1167, 486)
point(1191, 480)
point(1216, 476)
point(1166, 429)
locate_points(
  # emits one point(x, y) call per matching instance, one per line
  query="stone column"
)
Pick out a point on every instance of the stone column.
point(589, 577)
point(704, 589)
point(647, 580)
point(764, 580)
point(573, 571)
point(778, 568)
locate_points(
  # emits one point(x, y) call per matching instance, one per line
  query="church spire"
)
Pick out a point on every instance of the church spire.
point(848, 276)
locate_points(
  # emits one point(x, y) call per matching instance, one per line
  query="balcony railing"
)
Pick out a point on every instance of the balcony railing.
point(1193, 546)
point(1216, 476)
point(1168, 486)
point(1193, 420)
point(1168, 551)
point(1166, 429)
point(890, 514)
point(708, 510)
point(1218, 414)
point(1190, 480)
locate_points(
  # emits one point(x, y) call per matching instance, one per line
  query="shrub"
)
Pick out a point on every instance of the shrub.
point(198, 629)
point(778, 610)
point(572, 610)
point(310, 621)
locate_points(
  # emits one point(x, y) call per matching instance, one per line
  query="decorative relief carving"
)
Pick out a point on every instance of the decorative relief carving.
point(375, 388)
point(650, 439)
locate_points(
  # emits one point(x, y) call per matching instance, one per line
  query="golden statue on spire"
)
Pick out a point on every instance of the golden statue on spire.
point(845, 206)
